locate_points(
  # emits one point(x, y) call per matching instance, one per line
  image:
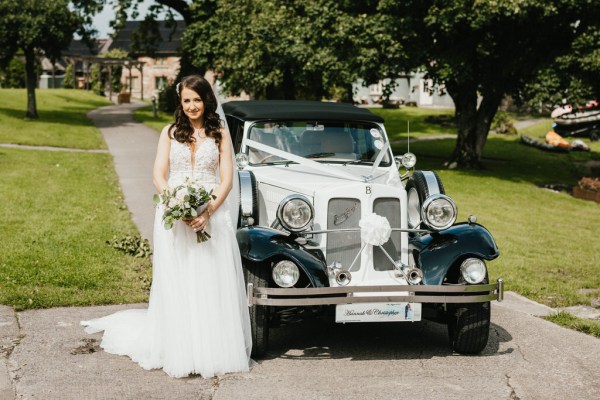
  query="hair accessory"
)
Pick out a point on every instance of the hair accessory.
point(178, 89)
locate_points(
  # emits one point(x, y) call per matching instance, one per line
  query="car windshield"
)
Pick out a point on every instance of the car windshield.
point(330, 142)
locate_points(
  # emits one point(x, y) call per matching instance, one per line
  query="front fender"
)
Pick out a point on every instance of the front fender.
point(259, 244)
point(436, 253)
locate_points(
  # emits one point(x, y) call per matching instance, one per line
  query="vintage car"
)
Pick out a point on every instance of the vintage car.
point(332, 224)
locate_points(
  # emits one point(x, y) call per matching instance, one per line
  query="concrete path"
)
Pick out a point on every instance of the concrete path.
point(45, 354)
point(133, 147)
point(526, 358)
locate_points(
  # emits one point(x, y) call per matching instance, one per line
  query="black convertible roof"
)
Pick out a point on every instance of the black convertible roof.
point(298, 110)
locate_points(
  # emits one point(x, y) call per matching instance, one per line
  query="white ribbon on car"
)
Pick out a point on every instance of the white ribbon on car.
point(374, 229)
point(314, 164)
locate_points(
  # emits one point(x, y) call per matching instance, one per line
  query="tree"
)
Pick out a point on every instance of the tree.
point(13, 75)
point(280, 48)
point(67, 82)
point(40, 26)
point(574, 78)
point(483, 50)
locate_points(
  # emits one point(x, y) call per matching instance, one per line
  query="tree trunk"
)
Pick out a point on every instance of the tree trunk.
point(30, 80)
point(473, 126)
point(288, 85)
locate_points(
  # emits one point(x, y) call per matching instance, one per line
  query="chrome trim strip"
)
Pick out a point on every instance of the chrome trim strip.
point(250, 293)
point(432, 184)
point(373, 299)
point(500, 289)
point(358, 230)
point(296, 297)
point(245, 193)
point(391, 288)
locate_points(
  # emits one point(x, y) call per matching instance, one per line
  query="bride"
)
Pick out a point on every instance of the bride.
point(197, 319)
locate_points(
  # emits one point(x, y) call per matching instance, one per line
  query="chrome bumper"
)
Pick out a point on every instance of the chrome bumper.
point(343, 295)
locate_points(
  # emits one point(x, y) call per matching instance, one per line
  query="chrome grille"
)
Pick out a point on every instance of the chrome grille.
point(343, 246)
point(389, 208)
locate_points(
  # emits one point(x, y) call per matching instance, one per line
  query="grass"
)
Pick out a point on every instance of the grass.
point(548, 240)
point(58, 210)
point(62, 119)
point(582, 325)
point(144, 115)
point(397, 121)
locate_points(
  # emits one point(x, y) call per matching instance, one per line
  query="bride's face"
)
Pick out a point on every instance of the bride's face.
point(192, 104)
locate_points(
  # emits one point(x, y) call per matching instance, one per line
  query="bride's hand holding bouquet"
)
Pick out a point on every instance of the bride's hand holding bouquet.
point(181, 203)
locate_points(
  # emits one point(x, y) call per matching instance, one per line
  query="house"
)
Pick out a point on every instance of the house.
point(154, 70)
point(79, 55)
point(411, 89)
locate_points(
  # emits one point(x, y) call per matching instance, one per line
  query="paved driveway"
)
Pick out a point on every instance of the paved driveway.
point(526, 358)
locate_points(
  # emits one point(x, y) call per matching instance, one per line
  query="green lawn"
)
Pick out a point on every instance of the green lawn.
point(58, 210)
point(62, 122)
point(398, 121)
point(548, 240)
point(144, 115)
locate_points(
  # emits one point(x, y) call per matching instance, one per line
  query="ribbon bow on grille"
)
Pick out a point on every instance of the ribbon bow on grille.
point(374, 229)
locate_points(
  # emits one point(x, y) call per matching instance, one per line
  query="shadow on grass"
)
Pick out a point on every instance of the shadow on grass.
point(75, 116)
point(507, 159)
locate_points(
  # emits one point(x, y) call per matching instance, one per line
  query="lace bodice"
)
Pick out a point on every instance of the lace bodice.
point(205, 165)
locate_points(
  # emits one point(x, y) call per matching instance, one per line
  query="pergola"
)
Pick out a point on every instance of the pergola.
point(128, 63)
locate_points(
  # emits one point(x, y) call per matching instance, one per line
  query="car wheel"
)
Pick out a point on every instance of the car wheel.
point(469, 327)
point(420, 185)
point(258, 275)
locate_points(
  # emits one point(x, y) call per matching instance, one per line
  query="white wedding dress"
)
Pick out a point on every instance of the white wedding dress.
point(197, 319)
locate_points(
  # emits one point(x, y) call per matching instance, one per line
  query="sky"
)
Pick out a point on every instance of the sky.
point(103, 18)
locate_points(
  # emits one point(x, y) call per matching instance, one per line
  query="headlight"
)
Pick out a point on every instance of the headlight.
point(295, 213)
point(473, 270)
point(438, 212)
point(241, 159)
point(286, 273)
point(408, 160)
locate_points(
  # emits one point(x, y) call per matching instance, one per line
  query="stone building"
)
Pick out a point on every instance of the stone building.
point(153, 70)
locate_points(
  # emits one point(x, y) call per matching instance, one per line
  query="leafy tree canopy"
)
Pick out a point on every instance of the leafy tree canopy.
point(482, 50)
point(287, 49)
point(41, 26)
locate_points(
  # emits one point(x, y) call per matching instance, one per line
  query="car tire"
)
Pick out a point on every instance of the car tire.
point(258, 275)
point(469, 327)
point(420, 185)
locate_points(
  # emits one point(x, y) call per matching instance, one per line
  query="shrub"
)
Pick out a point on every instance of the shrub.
point(67, 82)
point(167, 99)
point(503, 124)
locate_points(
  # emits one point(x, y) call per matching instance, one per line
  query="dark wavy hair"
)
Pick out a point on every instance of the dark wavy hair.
point(182, 130)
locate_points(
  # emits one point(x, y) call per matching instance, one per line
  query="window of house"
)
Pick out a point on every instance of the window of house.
point(376, 89)
point(160, 82)
point(135, 82)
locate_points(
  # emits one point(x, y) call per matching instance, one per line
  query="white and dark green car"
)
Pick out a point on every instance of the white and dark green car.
point(331, 222)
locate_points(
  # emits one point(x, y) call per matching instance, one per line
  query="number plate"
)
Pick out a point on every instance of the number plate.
point(378, 312)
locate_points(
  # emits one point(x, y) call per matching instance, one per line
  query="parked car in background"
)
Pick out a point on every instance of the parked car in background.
point(330, 225)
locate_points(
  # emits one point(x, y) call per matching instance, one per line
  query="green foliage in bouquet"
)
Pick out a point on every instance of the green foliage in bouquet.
point(181, 203)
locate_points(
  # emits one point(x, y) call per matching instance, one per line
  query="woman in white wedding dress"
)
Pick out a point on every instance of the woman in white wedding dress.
point(197, 319)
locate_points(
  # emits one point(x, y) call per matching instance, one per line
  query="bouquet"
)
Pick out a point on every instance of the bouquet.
point(182, 203)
